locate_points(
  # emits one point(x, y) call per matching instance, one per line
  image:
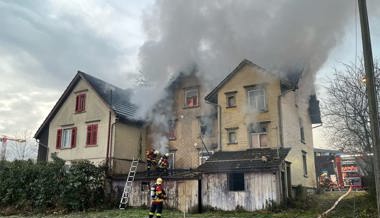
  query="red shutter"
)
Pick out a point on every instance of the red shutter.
point(88, 139)
point(95, 134)
point(77, 104)
point(73, 137)
point(83, 106)
point(59, 137)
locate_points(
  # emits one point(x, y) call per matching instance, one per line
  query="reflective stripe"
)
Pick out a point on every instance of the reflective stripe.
point(151, 213)
point(158, 215)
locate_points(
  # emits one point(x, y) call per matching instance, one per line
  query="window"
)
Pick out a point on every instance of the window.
point(92, 134)
point(204, 125)
point(302, 133)
point(80, 104)
point(66, 138)
point(256, 98)
point(171, 134)
point(236, 182)
point(191, 97)
point(204, 155)
point(232, 136)
point(304, 163)
point(145, 186)
point(231, 99)
point(171, 160)
point(259, 135)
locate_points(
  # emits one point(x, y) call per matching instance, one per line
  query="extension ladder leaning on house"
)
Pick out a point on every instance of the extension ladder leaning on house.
point(128, 184)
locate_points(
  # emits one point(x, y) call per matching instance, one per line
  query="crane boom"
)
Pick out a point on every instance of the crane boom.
point(4, 139)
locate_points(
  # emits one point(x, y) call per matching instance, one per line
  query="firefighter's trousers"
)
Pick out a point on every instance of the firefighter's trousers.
point(155, 207)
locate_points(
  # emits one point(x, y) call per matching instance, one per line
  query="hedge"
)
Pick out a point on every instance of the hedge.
point(51, 185)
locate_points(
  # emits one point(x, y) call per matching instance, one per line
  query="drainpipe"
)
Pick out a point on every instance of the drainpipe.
point(108, 139)
point(219, 115)
point(111, 142)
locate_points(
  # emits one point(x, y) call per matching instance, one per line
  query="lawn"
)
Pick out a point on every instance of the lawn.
point(356, 203)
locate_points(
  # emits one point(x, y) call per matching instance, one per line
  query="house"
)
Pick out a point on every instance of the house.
point(244, 144)
point(93, 120)
point(259, 146)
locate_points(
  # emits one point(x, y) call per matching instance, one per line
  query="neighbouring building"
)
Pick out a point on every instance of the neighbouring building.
point(245, 144)
point(93, 120)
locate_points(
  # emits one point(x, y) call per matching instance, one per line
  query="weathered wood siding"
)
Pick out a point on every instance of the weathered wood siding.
point(260, 189)
point(182, 195)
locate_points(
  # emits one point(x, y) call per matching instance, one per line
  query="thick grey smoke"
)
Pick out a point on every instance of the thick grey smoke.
point(282, 36)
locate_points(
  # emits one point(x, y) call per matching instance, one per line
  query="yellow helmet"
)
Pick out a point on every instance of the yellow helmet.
point(159, 181)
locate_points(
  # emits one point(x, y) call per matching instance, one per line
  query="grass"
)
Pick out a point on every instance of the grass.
point(356, 200)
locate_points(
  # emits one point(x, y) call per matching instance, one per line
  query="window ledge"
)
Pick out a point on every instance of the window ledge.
point(306, 176)
point(233, 106)
point(90, 146)
point(79, 112)
point(303, 142)
point(232, 143)
point(172, 139)
point(188, 107)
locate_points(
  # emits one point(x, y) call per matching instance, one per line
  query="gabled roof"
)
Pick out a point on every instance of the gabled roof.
point(258, 159)
point(118, 101)
point(213, 95)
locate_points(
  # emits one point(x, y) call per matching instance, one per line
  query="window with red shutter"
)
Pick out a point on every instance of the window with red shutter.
point(80, 104)
point(73, 137)
point(59, 138)
point(92, 134)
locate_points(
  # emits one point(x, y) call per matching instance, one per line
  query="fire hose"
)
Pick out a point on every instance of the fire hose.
point(336, 203)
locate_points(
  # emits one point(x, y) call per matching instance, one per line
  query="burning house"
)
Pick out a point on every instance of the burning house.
point(247, 142)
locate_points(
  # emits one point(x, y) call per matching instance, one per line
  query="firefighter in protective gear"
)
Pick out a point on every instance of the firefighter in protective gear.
point(158, 195)
point(151, 159)
point(163, 163)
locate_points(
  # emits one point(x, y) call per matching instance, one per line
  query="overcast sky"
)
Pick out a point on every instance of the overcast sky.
point(43, 43)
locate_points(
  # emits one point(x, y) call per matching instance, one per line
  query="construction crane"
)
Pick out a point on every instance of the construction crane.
point(4, 139)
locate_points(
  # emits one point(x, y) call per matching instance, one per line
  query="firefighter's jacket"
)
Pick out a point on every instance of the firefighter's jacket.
point(151, 156)
point(163, 163)
point(157, 193)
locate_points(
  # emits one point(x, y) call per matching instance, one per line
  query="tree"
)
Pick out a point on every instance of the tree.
point(346, 109)
point(23, 150)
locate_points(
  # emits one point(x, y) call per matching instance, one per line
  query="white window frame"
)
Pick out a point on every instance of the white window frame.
point(229, 131)
point(262, 94)
point(171, 160)
point(258, 134)
point(67, 135)
point(189, 90)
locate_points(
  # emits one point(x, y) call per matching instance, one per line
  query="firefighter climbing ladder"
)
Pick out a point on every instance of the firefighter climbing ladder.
point(128, 184)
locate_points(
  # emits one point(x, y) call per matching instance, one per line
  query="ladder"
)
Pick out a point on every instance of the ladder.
point(128, 184)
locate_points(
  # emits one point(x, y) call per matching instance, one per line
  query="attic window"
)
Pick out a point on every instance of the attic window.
point(230, 99)
point(191, 97)
point(80, 104)
point(236, 182)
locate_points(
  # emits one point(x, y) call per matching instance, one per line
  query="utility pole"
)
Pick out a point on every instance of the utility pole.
point(371, 92)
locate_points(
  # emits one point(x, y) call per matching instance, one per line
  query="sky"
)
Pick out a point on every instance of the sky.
point(43, 43)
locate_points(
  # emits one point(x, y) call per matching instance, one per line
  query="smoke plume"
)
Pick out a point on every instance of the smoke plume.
point(285, 37)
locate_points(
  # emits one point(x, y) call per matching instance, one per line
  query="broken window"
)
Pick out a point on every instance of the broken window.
point(171, 134)
point(256, 98)
point(304, 160)
point(232, 136)
point(204, 124)
point(259, 135)
point(236, 182)
point(191, 97)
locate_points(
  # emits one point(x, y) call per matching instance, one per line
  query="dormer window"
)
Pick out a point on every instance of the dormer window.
point(191, 97)
point(80, 104)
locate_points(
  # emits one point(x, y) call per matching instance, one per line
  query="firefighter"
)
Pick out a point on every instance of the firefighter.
point(163, 163)
point(151, 159)
point(158, 195)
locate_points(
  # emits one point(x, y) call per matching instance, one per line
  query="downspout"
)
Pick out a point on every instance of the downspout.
point(111, 141)
point(108, 140)
point(219, 115)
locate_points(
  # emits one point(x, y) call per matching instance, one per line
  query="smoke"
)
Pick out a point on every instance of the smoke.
point(281, 36)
